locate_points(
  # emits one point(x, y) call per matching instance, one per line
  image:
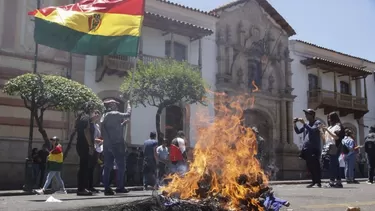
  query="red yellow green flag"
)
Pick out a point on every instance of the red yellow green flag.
point(91, 27)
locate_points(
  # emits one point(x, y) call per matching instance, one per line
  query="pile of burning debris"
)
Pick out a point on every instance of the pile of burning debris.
point(224, 174)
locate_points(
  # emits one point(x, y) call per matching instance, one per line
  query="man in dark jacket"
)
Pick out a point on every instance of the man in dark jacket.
point(370, 153)
point(311, 146)
point(85, 149)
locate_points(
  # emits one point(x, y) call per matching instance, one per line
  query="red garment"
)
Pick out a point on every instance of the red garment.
point(57, 149)
point(175, 153)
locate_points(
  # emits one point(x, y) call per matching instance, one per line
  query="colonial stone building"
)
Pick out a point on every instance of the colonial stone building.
point(252, 45)
point(17, 49)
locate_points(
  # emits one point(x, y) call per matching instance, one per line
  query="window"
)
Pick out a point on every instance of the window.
point(313, 82)
point(344, 87)
point(180, 51)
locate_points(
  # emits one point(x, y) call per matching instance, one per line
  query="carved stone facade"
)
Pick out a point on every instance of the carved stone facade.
point(253, 49)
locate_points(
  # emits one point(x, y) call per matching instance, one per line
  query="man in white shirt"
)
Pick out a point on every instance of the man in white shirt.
point(180, 166)
point(163, 160)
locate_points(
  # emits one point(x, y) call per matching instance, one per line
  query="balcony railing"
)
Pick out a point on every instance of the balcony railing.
point(125, 63)
point(321, 98)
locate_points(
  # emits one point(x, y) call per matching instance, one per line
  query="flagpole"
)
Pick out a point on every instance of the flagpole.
point(132, 72)
point(131, 87)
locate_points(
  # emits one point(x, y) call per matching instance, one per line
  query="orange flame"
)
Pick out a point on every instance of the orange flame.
point(224, 151)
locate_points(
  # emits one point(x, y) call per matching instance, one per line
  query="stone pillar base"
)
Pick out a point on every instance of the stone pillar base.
point(291, 167)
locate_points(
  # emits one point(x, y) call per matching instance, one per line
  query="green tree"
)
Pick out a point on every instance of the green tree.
point(165, 83)
point(42, 92)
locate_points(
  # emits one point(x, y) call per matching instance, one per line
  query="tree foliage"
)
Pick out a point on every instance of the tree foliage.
point(164, 83)
point(51, 91)
point(42, 92)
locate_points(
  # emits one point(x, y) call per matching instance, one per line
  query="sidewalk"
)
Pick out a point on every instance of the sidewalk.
point(140, 188)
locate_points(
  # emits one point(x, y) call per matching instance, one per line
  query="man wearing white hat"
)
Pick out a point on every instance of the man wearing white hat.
point(112, 129)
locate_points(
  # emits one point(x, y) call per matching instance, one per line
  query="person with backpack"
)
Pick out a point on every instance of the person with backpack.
point(370, 153)
point(349, 155)
point(333, 135)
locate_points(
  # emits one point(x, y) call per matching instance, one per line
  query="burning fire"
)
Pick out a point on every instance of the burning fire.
point(224, 164)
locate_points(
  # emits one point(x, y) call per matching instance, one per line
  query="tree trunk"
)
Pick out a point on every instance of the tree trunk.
point(39, 123)
point(158, 130)
point(72, 135)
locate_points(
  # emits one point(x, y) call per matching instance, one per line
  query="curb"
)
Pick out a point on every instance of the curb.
point(69, 190)
point(140, 188)
point(301, 182)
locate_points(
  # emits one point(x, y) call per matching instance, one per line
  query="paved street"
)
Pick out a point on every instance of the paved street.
point(301, 199)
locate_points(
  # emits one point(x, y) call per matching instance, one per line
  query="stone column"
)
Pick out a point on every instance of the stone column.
point(283, 121)
point(289, 107)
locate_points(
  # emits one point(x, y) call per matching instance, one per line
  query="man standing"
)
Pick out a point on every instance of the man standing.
point(163, 155)
point(112, 129)
point(311, 146)
point(150, 161)
point(370, 152)
point(85, 148)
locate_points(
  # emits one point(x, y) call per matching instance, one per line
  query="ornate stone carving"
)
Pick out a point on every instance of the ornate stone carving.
point(254, 73)
point(240, 75)
point(219, 35)
point(240, 33)
point(228, 33)
point(271, 81)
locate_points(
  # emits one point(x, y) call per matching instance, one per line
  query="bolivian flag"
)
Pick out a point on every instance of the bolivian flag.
point(91, 27)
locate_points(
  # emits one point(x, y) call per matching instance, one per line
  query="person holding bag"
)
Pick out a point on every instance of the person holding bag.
point(332, 139)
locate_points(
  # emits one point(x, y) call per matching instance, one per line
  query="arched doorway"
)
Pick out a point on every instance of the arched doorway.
point(174, 121)
point(263, 122)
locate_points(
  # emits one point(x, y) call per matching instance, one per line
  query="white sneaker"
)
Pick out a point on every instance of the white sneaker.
point(39, 192)
point(368, 182)
point(62, 192)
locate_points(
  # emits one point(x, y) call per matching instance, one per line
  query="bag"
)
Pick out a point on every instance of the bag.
point(345, 149)
point(341, 136)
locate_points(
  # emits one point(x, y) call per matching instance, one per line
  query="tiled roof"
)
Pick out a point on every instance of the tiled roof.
point(344, 54)
point(209, 31)
point(268, 8)
point(188, 8)
point(310, 61)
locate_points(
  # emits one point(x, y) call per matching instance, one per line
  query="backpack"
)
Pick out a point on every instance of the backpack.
point(341, 136)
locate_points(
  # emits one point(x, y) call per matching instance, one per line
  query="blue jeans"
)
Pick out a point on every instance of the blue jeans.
point(112, 153)
point(50, 176)
point(349, 166)
point(334, 168)
point(180, 168)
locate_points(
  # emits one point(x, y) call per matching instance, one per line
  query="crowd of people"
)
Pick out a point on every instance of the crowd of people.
point(339, 153)
point(100, 142)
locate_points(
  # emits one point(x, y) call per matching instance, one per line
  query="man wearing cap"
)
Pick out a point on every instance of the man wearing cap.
point(370, 153)
point(112, 129)
point(311, 144)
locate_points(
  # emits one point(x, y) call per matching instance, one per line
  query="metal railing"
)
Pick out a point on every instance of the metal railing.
point(336, 99)
point(125, 63)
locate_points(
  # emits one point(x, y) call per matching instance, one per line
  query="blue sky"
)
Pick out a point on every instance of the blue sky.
point(347, 26)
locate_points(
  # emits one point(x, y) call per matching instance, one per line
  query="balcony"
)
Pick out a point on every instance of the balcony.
point(120, 65)
point(334, 101)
